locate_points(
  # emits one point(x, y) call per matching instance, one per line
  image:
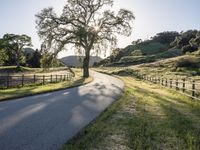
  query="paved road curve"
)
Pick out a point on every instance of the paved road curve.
point(45, 122)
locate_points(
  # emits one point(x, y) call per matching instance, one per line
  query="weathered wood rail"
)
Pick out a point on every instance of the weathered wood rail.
point(7, 81)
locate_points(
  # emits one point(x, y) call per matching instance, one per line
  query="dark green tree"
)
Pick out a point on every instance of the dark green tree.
point(86, 24)
point(184, 39)
point(165, 37)
point(33, 59)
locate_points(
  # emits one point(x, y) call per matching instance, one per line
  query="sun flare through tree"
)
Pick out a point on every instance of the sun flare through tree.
point(86, 24)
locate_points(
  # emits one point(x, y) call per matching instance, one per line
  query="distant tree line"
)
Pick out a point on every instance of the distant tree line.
point(14, 52)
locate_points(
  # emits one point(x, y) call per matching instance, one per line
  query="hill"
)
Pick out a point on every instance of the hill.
point(28, 50)
point(76, 61)
point(163, 45)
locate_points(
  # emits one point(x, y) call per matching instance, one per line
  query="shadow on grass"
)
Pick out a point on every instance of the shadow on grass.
point(144, 119)
point(175, 126)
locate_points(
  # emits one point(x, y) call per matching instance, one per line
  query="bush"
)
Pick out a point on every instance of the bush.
point(125, 72)
point(189, 48)
point(137, 52)
point(188, 62)
point(129, 59)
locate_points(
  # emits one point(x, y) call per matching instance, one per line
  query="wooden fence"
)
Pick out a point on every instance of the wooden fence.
point(21, 80)
point(186, 87)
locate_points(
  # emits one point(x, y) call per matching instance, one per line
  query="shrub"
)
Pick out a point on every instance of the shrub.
point(189, 48)
point(137, 52)
point(125, 72)
point(128, 59)
point(188, 62)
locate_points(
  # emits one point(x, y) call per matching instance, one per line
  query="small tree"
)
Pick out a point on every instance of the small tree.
point(46, 60)
point(86, 24)
point(16, 43)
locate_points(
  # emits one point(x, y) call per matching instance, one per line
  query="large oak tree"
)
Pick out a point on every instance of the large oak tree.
point(87, 24)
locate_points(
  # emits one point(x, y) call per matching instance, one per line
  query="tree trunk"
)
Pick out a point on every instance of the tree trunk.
point(17, 61)
point(86, 61)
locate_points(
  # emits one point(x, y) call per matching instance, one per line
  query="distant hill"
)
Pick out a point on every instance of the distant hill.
point(76, 61)
point(28, 50)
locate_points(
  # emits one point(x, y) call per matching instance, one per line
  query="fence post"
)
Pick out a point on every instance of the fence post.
point(34, 78)
point(60, 78)
point(8, 82)
point(162, 81)
point(51, 78)
point(170, 83)
point(193, 88)
point(176, 84)
point(22, 79)
point(166, 82)
point(43, 79)
point(64, 77)
point(183, 85)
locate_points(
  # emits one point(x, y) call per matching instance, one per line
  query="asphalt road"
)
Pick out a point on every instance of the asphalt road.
point(47, 121)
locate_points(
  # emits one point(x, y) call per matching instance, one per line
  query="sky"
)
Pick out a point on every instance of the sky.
point(152, 16)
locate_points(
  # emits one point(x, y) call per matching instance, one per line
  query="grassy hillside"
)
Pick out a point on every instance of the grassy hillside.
point(163, 45)
point(149, 51)
point(186, 66)
point(128, 60)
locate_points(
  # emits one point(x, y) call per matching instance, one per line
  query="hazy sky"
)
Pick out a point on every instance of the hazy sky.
point(152, 16)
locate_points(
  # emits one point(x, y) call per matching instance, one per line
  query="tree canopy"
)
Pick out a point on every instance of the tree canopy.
point(188, 41)
point(14, 44)
point(86, 24)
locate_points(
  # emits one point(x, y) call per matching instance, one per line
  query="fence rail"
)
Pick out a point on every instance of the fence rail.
point(22, 80)
point(188, 88)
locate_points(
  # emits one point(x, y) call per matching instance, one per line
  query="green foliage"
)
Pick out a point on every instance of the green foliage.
point(188, 62)
point(188, 48)
point(188, 41)
point(3, 57)
point(33, 59)
point(168, 54)
point(165, 37)
point(152, 48)
point(131, 59)
point(46, 60)
point(13, 45)
point(137, 52)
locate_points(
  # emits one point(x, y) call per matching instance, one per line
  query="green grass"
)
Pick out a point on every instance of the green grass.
point(147, 116)
point(37, 89)
point(14, 69)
